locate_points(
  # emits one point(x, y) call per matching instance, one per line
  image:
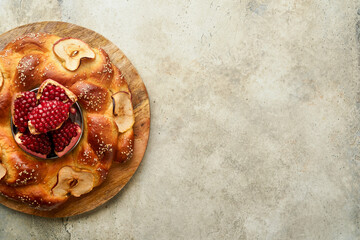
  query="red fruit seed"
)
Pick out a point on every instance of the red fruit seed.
point(23, 104)
point(48, 116)
point(52, 92)
point(65, 137)
point(38, 145)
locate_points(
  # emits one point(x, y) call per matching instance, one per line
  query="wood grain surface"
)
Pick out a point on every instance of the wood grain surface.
point(119, 174)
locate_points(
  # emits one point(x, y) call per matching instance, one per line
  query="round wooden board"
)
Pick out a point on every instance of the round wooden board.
point(119, 174)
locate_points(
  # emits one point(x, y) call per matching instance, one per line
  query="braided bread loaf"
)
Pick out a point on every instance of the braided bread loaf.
point(104, 98)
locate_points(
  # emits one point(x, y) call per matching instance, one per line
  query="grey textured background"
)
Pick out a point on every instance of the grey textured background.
point(255, 119)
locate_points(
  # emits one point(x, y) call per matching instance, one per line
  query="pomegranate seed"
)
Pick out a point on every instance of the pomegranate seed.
point(36, 143)
point(50, 92)
point(63, 135)
point(72, 110)
point(47, 114)
point(22, 109)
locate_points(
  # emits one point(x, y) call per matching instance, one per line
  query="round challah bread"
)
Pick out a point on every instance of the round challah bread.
point(104, 97)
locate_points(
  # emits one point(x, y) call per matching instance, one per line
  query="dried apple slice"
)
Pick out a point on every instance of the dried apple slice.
point(74, 182)
point(71, 51)
point(1, 80)
point(123, 111)
point(2, 171)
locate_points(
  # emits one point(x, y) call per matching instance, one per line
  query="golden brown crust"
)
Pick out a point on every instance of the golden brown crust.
point(23, 170)
point(5, 106)
point(125, 146)
point(92, 97)
point(31, 42)
point(26, 73)
point(24, 64)
point(35, 196)
point(101, 136)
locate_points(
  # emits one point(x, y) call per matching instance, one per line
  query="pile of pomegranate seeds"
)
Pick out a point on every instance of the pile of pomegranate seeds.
point(43, 123)
point(48, 115)
point(63, 135)
point(37, 143)
point(52, 92)
point(22, 106)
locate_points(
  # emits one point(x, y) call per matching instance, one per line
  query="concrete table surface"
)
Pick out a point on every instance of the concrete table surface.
point(255, 119)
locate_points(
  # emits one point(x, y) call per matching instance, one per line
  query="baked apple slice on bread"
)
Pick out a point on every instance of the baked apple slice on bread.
point(71, 50)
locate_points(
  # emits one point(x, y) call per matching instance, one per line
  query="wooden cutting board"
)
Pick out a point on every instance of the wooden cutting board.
point(119, 174)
